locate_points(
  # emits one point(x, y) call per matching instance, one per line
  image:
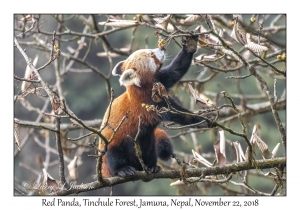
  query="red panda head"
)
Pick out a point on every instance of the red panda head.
point(139, 67)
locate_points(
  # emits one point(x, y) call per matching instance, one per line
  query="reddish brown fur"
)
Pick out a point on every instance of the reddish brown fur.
point(130, 102)
point(160, 134)
point(138, 60)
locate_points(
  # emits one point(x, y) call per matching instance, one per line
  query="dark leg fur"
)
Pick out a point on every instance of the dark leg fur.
point(122, 159)
point(147, 144)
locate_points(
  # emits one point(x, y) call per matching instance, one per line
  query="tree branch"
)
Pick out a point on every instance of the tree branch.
point(173, 174)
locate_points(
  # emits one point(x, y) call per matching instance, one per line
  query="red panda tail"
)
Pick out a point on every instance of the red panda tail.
point(164, 147)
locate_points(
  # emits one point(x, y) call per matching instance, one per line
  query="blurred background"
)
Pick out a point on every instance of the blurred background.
point(86, 93)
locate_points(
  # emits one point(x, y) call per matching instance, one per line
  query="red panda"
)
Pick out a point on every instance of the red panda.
point(138, 73)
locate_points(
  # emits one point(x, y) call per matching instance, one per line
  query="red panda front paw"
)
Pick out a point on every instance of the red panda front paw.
point(190, 43)
point(126, 171)
point(153, 169)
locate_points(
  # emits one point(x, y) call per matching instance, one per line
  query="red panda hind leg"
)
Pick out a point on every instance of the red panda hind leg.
point(121, 159)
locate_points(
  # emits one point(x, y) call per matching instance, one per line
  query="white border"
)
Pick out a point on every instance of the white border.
point(232, 6)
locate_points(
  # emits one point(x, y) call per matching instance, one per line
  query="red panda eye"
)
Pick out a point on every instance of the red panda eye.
point(152, 53)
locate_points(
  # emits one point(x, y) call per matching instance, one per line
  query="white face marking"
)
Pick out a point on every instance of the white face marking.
point(152, 65)
point(160, 55)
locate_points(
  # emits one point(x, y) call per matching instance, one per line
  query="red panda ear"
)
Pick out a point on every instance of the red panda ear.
point(129, 77)
point(117, 71)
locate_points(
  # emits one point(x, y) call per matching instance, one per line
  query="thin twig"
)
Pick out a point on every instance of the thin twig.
point(265, 88)
point(105, 122)
point(219, 181)
point(19, 191)
point(81, 137)
point(137, 148)
point(275, 92)
point(29, 168)
point(36, 71)
point(60, 154)
point(274, 190)
point(32, 26)
point(184, 126)
point(47, 148)
point(26, 80)
point(95, 36)
point(221, 69)
point(35, 125)
point(248, 187)
point(239, 77)
point(269, 64)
